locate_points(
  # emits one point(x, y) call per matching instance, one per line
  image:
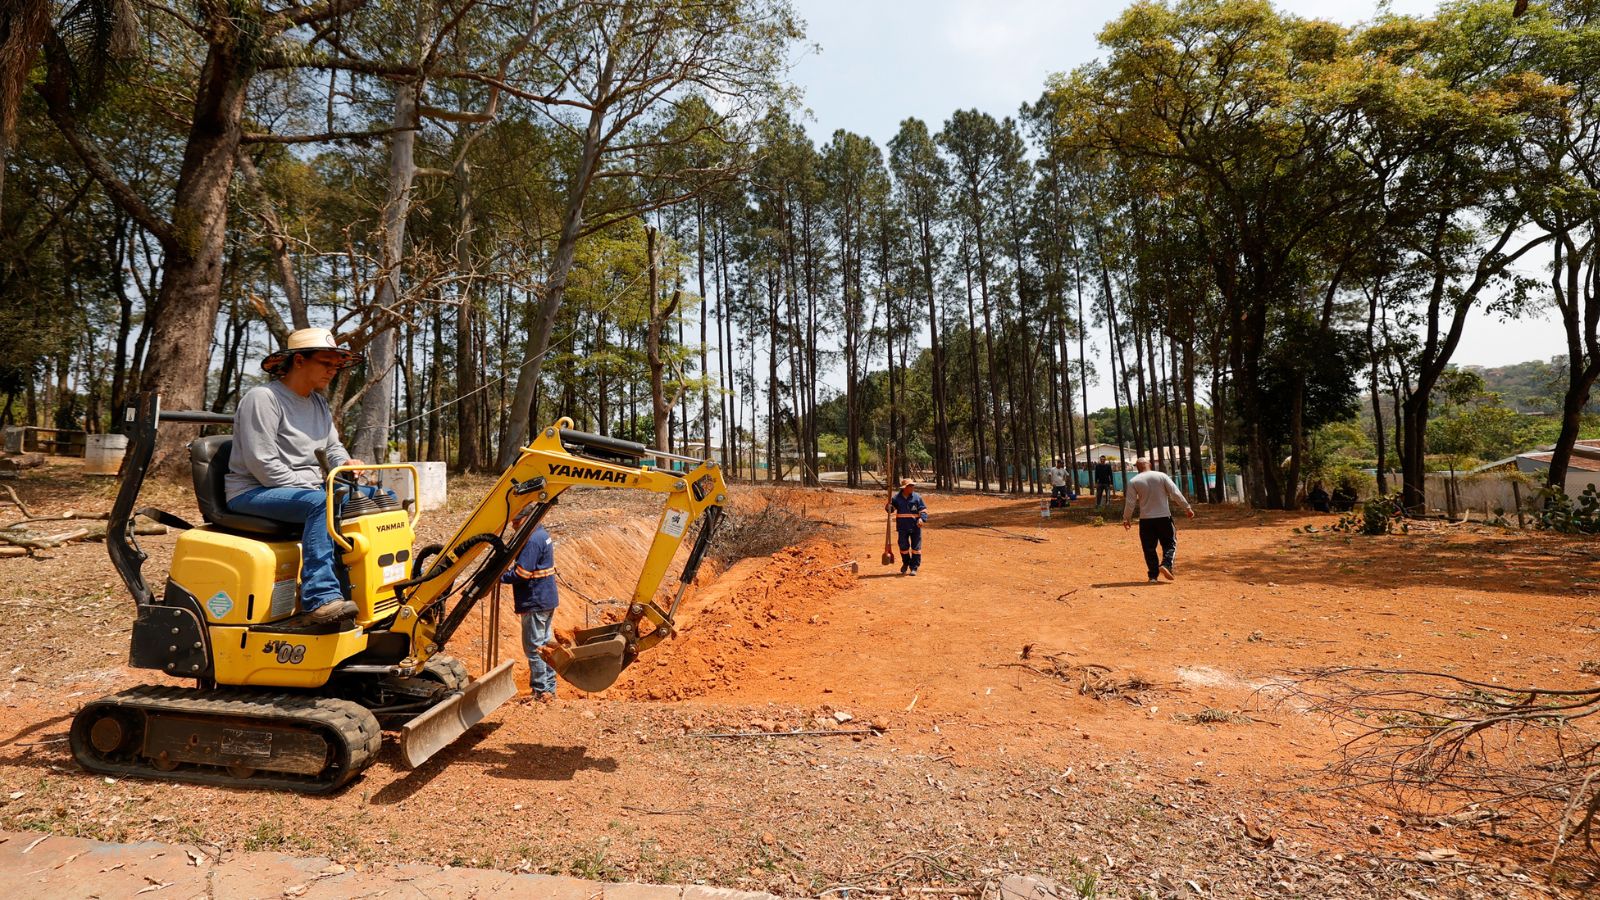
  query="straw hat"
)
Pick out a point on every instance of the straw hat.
point(908, 482)
point(308, 340)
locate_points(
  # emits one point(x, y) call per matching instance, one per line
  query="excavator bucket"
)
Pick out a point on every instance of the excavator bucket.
point(437, 728)
point(590, 666)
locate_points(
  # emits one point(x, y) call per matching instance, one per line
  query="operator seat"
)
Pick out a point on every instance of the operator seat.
point(208, 463)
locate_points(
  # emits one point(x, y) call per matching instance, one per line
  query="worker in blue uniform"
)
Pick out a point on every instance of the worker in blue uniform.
point(533, 592)
point(909, 514)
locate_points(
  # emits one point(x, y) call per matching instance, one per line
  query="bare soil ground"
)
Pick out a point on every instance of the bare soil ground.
point(1027, 704)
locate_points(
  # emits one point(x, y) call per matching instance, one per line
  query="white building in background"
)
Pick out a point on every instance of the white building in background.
point(1090, 454)
point(1583, 468)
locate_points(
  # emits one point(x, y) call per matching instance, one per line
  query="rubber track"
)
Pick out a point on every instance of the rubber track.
point(355, 727)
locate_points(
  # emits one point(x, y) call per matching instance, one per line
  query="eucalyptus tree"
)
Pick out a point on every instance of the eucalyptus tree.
point(619, 69)
point(980, 151)
point(921, 179)
point(855, 184)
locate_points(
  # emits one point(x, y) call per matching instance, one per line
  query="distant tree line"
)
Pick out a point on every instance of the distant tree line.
point(1247, 224)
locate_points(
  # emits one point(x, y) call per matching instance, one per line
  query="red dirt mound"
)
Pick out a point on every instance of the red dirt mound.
point(729, 623)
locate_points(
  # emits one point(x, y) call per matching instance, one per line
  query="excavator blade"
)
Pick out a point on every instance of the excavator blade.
point(592, 666)
point(437, 728)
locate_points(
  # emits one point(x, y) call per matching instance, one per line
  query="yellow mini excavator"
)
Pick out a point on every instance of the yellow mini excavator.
point(281, 703)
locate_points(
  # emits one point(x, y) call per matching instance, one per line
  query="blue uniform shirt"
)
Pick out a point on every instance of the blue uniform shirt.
point(533, 576)
point(908, 510)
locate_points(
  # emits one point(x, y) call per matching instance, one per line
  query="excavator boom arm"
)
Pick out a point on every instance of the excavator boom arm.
point(557, 459)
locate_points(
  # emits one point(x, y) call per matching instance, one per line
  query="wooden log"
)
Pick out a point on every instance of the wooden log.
point(97, 531)
point(21, 461)
point(32, 541)
point(8, 552)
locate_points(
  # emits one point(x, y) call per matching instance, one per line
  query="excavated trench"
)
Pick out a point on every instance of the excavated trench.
point(723, 621)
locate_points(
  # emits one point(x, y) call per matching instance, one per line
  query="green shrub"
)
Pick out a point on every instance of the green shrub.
point(1380, 515)
point(1555, 511)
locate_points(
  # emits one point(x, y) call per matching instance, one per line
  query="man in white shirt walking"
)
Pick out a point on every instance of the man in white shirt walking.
point(1148, 494)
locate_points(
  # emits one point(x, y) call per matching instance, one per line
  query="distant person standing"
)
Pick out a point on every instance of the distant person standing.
point(1102, 482)
point(909, 514)
point(1149, 495)
point(1058, 483)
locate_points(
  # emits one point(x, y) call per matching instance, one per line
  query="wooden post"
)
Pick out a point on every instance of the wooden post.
point(1516, 496)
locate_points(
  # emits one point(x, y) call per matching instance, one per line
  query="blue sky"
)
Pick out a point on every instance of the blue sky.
point(881, 61)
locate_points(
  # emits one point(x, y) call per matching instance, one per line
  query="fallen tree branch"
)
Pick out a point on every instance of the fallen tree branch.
point(777, 734)
point(1430, 737)
point(17, 500)
point(66, 516)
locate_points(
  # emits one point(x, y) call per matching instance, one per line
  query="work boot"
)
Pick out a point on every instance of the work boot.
point(332, 611)
point(905, 567)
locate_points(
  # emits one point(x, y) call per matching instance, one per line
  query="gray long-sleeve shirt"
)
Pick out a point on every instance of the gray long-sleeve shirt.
point(1147, 494)
point(276, 436)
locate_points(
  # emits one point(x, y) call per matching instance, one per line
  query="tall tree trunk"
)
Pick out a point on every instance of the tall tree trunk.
point(560, 267)
point(980, 457)
point(1197, 466)
point(180, 322)
point(988, 347)
point(1576, 280)
point(943, 478)
point(1378, 431)
point(705, 371)
point(371, 441)
point(660, 404)
point(1112, 355)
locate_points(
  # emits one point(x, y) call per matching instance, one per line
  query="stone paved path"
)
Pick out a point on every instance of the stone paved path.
point(45, 867)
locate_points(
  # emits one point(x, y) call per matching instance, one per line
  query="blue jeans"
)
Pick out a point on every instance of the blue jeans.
point(319, 581)
point(535, 634)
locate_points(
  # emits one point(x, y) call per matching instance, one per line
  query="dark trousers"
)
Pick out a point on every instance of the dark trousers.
point(1153, 531)
point(911, 547)
point(1102, 493)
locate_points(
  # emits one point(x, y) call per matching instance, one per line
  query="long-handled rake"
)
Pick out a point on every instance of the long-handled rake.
point(888, 523)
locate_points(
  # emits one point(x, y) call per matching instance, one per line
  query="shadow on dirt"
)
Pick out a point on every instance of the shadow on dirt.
point(1541, 565)
point(1024, 514)
point(539, 762)
point(30, 729)
point(522, 762)
point(47, 749)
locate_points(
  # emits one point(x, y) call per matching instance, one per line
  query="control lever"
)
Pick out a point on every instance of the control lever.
point(348, 479)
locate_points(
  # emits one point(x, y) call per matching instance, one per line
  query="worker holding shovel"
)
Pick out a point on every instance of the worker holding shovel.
point(909, 513)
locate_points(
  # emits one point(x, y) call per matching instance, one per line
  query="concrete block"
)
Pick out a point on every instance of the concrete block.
point(430, 482)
